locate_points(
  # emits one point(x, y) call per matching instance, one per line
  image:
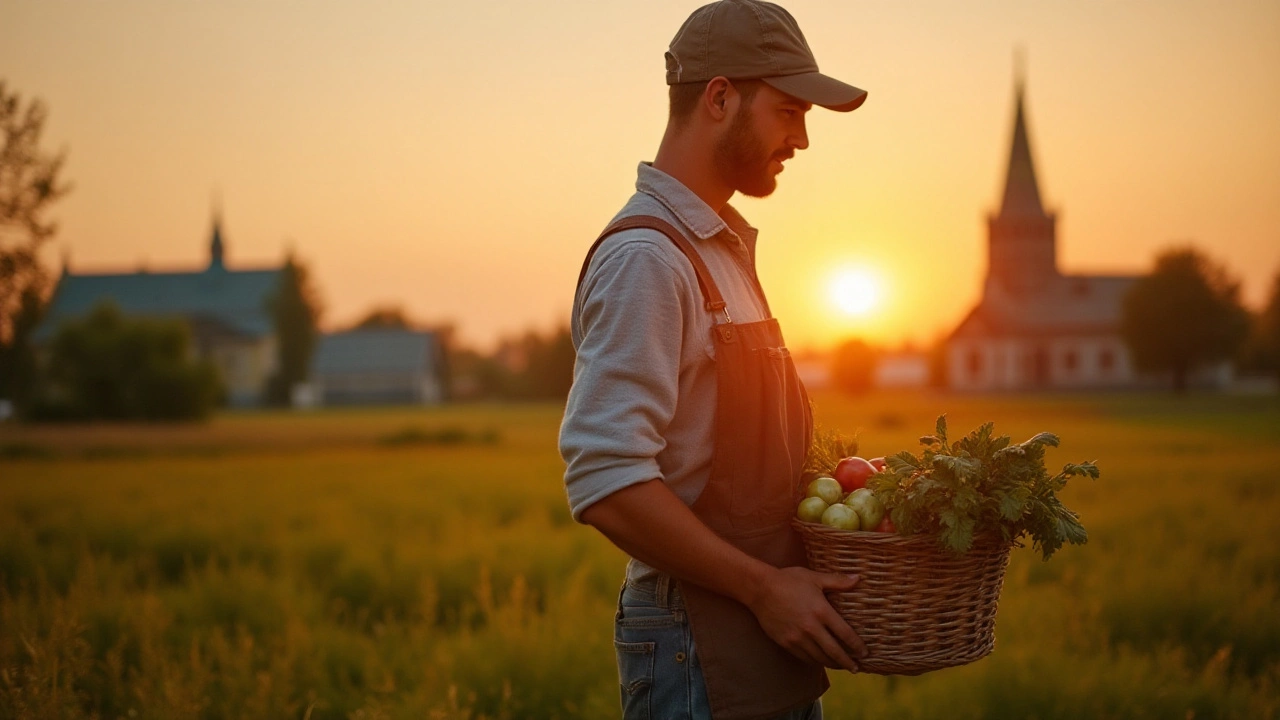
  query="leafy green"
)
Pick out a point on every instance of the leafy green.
point(826, 450)
point(980, 483)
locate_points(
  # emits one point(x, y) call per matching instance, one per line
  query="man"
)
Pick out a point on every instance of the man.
point(686, 427)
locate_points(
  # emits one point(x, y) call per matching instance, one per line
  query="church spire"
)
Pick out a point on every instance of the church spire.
point(1021, 191)
point(216, 249)
point(1021, 238)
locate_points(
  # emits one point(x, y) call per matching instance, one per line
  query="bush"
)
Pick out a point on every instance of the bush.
point(853, 367)
point(109, 367)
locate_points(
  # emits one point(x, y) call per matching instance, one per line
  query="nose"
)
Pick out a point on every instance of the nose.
point(799, 137)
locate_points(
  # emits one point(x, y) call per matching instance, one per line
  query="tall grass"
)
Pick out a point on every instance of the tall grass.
point(277, 566)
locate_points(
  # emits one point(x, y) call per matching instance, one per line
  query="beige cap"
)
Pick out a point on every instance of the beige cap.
point(752, 40)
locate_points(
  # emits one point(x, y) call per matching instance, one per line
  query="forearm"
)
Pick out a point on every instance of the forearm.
point(649, 523)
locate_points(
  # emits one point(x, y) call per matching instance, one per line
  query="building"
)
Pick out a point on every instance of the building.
point(1036, 327)
point(378, 366)
point(227, 311)
point(903, 369)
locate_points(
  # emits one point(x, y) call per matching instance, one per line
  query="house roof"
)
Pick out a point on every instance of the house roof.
point(375, 350)
point(234, 299)
point(1070, 304)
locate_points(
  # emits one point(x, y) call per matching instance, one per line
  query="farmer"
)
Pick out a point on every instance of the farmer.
point(686, 427)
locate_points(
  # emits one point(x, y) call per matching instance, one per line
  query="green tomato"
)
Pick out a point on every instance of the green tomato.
point(870, 510)
point(826, 488)
point(811, 509)
point(841, 517)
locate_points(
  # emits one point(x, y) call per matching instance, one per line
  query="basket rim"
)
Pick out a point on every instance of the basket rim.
point(817, 532)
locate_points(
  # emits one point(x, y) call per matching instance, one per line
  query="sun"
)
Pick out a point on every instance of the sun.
point(855, 291)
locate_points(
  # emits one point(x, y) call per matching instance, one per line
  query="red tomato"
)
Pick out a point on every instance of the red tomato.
point(852, 473)
point(886, 525)
point(877, 463)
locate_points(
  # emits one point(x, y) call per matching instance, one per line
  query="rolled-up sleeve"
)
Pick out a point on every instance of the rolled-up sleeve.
point(626, 377)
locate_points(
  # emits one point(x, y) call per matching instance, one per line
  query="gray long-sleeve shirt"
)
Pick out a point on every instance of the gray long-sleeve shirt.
point(642, 405)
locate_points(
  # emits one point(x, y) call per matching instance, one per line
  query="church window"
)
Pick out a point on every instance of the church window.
point(1106, 361)
point(1071, 361)
point(975, 363)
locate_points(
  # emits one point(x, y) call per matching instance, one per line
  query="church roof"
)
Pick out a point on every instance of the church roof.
point(1069, 305)
point(235, 299)
point(1021, 191)
point(232, 301)
point(375, 350)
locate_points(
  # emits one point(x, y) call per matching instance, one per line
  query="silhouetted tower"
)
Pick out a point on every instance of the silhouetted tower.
point(215, 244)
point(1022, 238)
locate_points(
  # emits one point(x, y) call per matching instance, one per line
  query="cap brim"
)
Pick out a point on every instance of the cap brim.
point(816, 88)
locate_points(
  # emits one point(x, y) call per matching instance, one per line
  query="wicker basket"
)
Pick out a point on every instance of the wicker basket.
point(917, 607)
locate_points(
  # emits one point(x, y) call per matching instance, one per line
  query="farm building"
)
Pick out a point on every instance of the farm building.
point(376, 366)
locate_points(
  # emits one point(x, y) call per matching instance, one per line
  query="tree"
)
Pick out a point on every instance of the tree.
point(549, 374)
point(853, 367)
point(390, 317)
point(29, 184)
point(295, 313)
point(1268, 329)
point(1186, 314)
point(109, 367)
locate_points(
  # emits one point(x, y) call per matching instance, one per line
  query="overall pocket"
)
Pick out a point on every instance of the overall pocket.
point(762, 435)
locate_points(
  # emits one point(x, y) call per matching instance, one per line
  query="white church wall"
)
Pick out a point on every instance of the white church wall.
point(1068, 363)
point(1090, 362)
point(969, 365)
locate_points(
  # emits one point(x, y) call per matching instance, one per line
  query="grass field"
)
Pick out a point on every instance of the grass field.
point(422, 564)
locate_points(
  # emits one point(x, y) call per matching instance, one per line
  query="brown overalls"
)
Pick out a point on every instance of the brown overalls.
point(763, 426)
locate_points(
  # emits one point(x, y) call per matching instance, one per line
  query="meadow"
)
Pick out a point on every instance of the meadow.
point(421, 563)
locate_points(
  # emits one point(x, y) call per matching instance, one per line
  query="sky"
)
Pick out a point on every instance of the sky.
point(457, 159)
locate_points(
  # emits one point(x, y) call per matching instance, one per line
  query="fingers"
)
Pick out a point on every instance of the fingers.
point(846, 635)
point(807, 647)
point(836, 582)
point(828, 641)
point(822, 637)
point(809, 650)
point(835, 656)
point(837, 626)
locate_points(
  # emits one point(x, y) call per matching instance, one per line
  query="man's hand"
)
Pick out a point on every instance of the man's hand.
point(651, 524)
point(794, 611)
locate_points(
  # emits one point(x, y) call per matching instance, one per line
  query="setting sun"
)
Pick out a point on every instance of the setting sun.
point(855, 292)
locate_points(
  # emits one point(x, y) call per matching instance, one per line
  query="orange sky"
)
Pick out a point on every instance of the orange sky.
point(458, 158)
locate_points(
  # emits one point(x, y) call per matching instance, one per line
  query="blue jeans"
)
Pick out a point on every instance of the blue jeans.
point(657, 667)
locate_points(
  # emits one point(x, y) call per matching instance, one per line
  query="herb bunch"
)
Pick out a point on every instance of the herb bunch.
point(826, 449)
point(981, 484)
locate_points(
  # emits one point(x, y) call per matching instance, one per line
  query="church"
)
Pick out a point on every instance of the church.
point(1036, 328)
point(227, 311)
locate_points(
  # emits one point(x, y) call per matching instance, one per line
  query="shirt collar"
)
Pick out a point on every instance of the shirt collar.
point(691, 211)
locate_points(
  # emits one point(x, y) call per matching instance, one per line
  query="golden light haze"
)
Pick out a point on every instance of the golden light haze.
point(459, 158)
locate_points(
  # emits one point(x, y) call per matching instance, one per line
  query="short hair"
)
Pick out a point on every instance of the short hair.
point(684, 97)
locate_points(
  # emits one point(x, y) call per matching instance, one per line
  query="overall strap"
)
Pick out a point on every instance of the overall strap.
point(711, 296)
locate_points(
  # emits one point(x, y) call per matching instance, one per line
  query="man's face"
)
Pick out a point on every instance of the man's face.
point(762, 134)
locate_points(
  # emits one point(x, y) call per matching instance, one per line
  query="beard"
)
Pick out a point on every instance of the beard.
point(742, 160)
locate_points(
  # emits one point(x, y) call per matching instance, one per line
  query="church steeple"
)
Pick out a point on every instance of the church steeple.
point(1022, 236)
point(215, 244)
point(1021, 191)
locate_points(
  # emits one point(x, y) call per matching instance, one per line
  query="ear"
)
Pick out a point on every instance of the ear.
point(719, 98)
